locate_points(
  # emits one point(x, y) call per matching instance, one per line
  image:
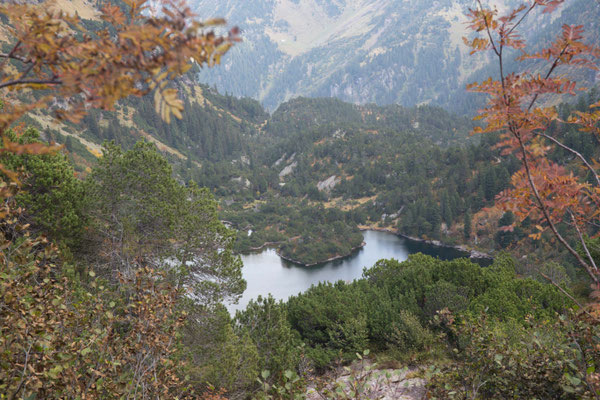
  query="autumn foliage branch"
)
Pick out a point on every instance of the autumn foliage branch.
point(63, 67)
point(550, 193)
point(135, 53)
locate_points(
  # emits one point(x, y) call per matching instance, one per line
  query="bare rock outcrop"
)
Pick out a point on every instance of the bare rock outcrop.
point(382, 384)
point(328, 183)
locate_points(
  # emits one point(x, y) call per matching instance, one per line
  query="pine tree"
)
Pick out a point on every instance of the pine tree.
point(490, 183)
point(468, 222)
point(69, 144)
point(447, 214)
point(142, 213)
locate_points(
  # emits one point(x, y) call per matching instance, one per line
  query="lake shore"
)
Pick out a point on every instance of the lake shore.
point(262, 246)
point(266, 272)
point(472, 253)
point(336, 257)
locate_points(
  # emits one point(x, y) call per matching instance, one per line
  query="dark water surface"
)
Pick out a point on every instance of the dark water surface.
point(267, 273)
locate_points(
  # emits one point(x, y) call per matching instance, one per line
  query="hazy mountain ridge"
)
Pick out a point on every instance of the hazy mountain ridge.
point(369, 51)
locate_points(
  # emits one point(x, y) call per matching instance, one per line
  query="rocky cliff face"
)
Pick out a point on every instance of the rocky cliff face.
point(362, 51)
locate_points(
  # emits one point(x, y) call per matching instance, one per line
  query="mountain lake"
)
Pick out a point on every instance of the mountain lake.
point(266, 272)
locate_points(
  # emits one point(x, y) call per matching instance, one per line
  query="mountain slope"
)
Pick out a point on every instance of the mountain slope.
point(365, 51)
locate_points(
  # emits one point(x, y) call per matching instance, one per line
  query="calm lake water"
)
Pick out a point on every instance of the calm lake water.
point(267, 273)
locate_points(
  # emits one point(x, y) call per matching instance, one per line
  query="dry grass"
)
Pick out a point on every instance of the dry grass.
point(161, 146)
point(201, 100)
point(80, 7)
point(47, 120)
point(347, 205)
point(253, 204)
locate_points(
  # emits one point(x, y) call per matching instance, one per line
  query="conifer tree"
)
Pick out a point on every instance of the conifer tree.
point(140, 213)
point(467, 227)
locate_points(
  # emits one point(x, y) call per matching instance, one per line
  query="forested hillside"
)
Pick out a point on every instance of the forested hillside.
point(287, 177)
point(416, 169)
point(313, 156)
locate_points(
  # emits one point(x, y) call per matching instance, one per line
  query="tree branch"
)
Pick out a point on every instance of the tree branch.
point(10, 54)
point(550, 71)
point(587, 251)
point(515, 132)
point(547, 215)
point(15, 82)
point(487, 29)
point(576, 153)
point(18, 389)
point(522, 18)
point(563, 291)
point(14, 57)
point(27, 71)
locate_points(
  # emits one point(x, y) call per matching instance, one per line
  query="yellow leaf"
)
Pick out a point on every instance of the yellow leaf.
point(213, 22)
point(161, 76)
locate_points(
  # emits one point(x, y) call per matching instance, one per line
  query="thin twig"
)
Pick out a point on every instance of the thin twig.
point(576, 153)
point(15, 82)
point(550, 71)
point(10, 54)
point(16, 392)
point(592, 223)
point(499, 54)
point(522, 18)
point(15, 57)
point(581, 307)
point(27, 71)
point(587, 252)
point(487, 29)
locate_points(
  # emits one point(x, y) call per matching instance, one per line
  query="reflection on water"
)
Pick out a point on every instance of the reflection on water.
point(266, 272)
